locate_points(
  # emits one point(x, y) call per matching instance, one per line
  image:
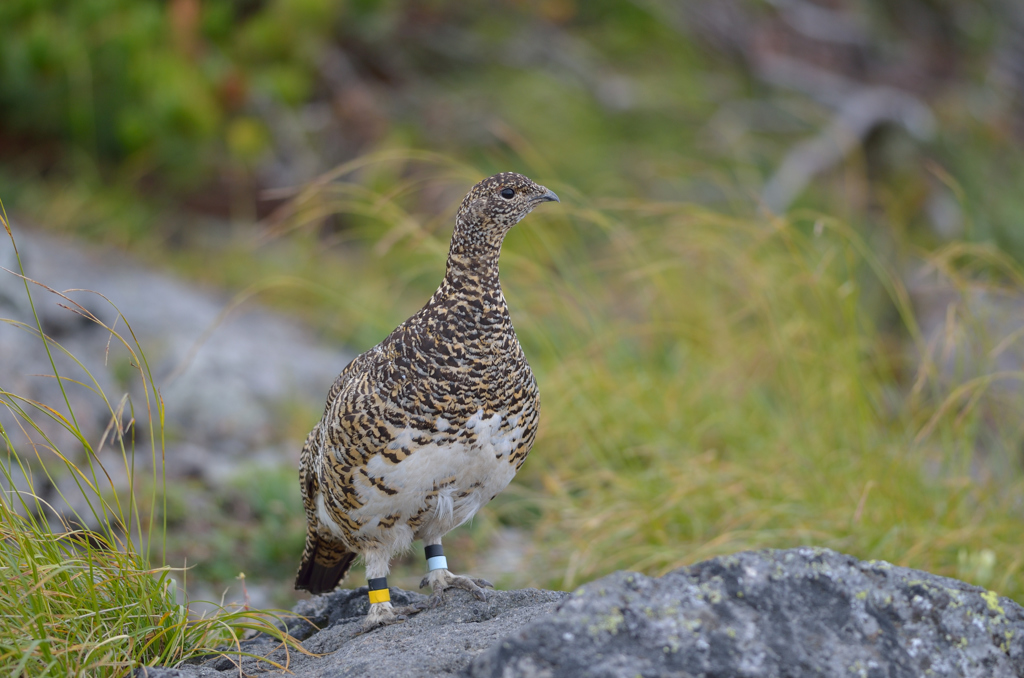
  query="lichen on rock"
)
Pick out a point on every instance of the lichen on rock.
point(794, 613)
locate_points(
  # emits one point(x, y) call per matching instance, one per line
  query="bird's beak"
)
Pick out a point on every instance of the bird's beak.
point(547, 197)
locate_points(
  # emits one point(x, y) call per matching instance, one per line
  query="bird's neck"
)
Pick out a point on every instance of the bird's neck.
point(472, 262)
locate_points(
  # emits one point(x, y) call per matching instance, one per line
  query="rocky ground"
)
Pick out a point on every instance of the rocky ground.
point(794, 613)
point(223, 372)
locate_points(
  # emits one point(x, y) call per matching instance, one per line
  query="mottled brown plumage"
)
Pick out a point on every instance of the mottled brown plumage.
point(429, 425)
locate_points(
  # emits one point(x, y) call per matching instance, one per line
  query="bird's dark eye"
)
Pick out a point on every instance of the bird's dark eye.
point(507, 193)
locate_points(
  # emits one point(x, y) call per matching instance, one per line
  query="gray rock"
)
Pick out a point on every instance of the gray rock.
point(967, 328)
point(970, 330)
point(223, 372)
point(438, 642)
point(799, 612)
point(163, 672)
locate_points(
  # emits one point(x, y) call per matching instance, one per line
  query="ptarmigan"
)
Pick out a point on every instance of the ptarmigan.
point(428, 426)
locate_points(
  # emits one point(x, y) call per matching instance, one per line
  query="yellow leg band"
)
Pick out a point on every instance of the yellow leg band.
point(382, 596)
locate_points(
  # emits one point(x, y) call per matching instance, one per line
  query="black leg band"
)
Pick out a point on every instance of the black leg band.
point(379, 592)
point(435, 558)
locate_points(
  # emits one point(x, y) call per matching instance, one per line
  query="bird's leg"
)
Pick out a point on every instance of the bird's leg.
point(381, 611)
point(439, 578)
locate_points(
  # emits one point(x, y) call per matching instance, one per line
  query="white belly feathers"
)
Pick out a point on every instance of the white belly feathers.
point(465, 475)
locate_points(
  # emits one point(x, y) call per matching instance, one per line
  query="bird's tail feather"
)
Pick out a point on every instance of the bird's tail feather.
point(324, 564)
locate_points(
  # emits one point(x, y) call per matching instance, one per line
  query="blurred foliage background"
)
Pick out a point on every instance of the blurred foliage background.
point(780, 303)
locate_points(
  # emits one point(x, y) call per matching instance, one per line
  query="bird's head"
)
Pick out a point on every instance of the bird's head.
point(496, 204)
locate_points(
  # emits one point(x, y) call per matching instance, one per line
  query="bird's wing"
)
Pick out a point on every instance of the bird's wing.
point(355, 366)
point(365, 417)
point(325, 560)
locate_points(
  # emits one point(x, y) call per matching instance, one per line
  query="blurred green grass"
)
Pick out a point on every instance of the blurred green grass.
point(748, 400)
point(716, 384)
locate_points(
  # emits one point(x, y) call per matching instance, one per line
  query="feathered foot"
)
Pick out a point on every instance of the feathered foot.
point(384, 614)
point(440, 580)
